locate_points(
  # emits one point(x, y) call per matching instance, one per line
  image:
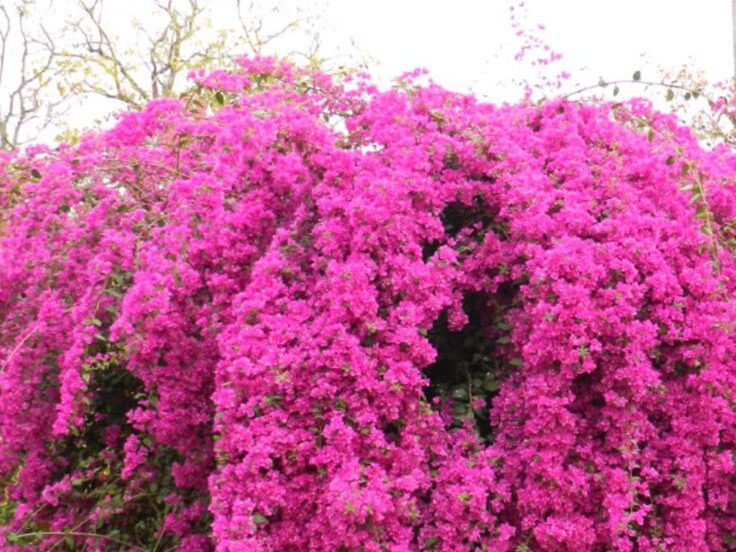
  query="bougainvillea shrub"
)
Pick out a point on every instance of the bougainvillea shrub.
point(286, 314)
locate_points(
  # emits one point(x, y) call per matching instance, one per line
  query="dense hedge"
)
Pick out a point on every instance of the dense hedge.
point(285, 314)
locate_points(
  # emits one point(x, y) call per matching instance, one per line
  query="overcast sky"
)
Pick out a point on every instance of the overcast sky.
point(469, 45)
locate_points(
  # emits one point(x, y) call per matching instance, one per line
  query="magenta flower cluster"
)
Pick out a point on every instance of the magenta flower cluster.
point(217, 321)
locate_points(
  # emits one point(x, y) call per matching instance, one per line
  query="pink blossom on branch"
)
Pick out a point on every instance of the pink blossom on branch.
point(226, 323)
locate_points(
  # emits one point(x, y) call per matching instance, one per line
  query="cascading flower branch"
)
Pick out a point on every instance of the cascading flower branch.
point(286, 313)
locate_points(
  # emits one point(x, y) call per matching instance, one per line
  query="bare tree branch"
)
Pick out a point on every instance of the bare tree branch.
point(28, 106)
point(86, 58)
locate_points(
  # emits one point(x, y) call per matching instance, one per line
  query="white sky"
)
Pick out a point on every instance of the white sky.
point(468, 45)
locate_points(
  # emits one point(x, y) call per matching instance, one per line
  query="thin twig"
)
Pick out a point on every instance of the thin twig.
point(604, 84)
point(76, 534)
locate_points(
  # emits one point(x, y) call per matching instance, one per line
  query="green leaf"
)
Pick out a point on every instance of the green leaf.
point(464, 497)
point(273, 400)
point(616, 90)
point(219, 98)
point(259, 519)
point(459, 393)
point(637, 75)
point(670, 94)
point(430, 543)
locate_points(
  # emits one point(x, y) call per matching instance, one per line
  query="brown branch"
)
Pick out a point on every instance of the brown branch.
point(26, 100)
point(604, 84)
point(77, 534)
